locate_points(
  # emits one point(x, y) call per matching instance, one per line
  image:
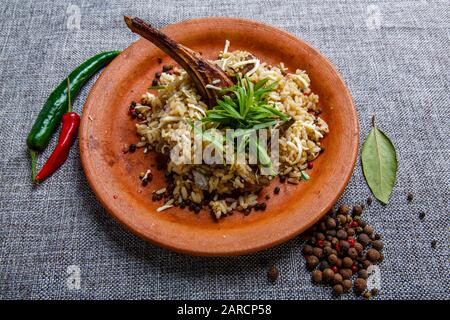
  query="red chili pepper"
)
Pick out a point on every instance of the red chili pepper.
point(69, 130)
point(70, 123)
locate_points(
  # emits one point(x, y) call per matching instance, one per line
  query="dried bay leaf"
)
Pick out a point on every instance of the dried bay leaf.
point(379, 163)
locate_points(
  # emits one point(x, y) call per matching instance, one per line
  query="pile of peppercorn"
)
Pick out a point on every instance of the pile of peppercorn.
point(340, 248)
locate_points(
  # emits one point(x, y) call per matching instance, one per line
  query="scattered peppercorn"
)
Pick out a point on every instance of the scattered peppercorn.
point(344, 209)
point(155, 82)
point(338, 289)
point(273, 274)
point(378, 245)
point(374, 291)
point(341, 234)
point(368, 229)
point(307, 250)
point(276, 190)
point(317, 276)
point(373, 255)
point(282, 178)
point(337, 279)
point(312, 262)
point(331, 223)
point(433, 244)
point(422, 215)
point(318, 252)
point(409, 196)
point(360, 285)
point(347, 285)
point(335, 249)
point(369, 201)
point(346, 273)
point(363, 274)
point(157, 75)
point(347, 262)
point(328, 274)
point(367, 295)
point(132, 147)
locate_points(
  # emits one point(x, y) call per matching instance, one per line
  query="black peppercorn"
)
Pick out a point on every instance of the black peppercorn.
point(344, 209)
point(433, 244)
point(368, 229)
point(347, 262)
point(318, 252)
point(337, 279)
point(352, 253)
point(373, 255)
point(364, 239)
point(332, 259)
point(328, 275)
point(357, 210)
point(409, 196)
point(341, 234)
point(323, 265)
point(363, 274)
point(346, 273)
point(307, 250)
point(360, 285)
point(347, 285)
point(317, 276)
point(338, 289)
point(167, 67)
point(273, 274)
point(312, 262)
point(331, 223)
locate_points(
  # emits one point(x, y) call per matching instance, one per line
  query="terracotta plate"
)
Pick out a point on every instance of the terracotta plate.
point(106, 127)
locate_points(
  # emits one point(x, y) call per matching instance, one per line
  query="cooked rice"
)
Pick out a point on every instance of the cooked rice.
point(224, 188)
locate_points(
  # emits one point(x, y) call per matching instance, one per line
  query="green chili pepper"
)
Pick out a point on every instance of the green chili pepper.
point(57, 103)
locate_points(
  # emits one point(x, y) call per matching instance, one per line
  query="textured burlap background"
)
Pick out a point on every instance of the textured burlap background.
point(394, 58)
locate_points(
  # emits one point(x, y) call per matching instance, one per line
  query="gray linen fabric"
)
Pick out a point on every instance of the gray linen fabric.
point(394, 57)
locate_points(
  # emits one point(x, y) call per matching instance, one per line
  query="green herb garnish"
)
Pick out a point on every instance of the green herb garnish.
point(247, 106)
